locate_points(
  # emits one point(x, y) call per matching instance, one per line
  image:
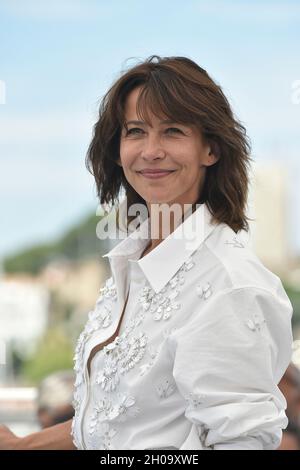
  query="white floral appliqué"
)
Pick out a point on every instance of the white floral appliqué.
point(161, 304)
point(204, 291)
point(120, 356)
point(166, 388)
point(194, 400)
point(98, 318)
point(235, 243)
point(106, 410)
point(102, 439)
point(146, 367)
point(255, 323)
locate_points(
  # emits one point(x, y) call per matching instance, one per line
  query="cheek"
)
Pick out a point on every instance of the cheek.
point(126, 155)
point(191, 165)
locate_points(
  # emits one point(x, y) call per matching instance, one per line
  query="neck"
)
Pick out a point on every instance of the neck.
point(164, 220)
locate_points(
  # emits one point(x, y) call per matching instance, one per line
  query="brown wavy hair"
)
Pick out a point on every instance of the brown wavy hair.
point(185, 93)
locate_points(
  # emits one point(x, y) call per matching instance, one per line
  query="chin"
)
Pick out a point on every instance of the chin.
point(160, 201)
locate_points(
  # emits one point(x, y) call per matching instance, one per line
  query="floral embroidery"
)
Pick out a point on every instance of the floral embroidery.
point(195, 400)
point(255, 323)
point(135, 352)
point(168, 331)
point(125, 408)
point(146, 367)
point(105, 411)
point(165, 388)
point(109, 378)
point(178, 279)
point(102, 440)
point(108, 291)
point(120, 356)
point(76, 400)
point(187, 265)
point(123, 354)
point(98, 318)
point(235, 243)
point(138, 318)
point(160, 305)
point(74, 433)
point(102, 411)
point(204, 291)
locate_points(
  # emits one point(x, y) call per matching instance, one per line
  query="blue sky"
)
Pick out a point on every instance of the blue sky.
point(58, 58)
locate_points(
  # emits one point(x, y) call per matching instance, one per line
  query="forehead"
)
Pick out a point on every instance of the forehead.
point(152, 117)
point(130, 108)
point(131, 99)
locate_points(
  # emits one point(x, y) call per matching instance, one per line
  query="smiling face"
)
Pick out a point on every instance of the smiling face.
point(174, 147)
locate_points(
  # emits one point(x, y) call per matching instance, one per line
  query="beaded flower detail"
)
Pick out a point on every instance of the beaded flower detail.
point(120, 357)
point(73, 433)
point(106, 410)
point(166, 388)
point(98, 318)
point(146, 367)
point(204, 291)
point(194, 400)
point(102, 440)
point(161, 304)
point(255, 323)
point(235, 243)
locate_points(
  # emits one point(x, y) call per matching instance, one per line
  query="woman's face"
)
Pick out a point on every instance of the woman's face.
point(177, 148)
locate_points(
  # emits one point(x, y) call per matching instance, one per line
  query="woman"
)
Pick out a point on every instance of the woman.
point(191, 334)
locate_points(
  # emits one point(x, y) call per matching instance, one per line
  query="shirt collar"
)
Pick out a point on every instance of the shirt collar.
point(162, 263)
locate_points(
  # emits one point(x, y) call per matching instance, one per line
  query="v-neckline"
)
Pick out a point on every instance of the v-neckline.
point(100, 346)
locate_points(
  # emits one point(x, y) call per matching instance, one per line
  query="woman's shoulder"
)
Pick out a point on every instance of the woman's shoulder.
point(235, 256)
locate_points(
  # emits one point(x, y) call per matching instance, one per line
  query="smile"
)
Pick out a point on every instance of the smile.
point(155, 175)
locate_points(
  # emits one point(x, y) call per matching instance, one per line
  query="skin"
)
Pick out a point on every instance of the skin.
point(290, 387)
point(163, 146)
point(54, 438)
point(289, 442)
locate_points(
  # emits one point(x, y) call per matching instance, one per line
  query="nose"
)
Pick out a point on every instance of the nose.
point(152, 148)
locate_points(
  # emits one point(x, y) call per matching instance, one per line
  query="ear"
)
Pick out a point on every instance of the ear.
point(213, 154)
point(118, 161)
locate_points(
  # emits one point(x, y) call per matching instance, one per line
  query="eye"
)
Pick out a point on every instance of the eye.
point(131, 131)
point(135, 130)
point(174, 129)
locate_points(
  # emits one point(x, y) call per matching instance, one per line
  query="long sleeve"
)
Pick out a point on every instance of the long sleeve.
point(228, 361)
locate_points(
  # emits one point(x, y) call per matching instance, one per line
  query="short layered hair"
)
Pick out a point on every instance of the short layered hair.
point(180, 89)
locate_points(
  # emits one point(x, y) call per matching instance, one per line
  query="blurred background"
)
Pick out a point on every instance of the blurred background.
point(57, 59)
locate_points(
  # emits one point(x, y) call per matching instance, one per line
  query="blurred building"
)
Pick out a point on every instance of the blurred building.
point(18, 410)
point(77, 283)
point(23, 318)
point(269, 209)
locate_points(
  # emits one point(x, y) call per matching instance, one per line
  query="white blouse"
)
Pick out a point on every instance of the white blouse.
point(205, 338)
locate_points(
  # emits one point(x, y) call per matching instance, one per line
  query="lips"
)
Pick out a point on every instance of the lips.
point(152, 174)
point(148, 171)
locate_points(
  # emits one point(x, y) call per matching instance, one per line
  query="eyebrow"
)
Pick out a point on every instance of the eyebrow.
point(166, 121)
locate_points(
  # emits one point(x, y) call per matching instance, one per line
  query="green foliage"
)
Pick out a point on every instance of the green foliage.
point(76, 244)
point(54, 352)
point(30, 260)
point(294, 296)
